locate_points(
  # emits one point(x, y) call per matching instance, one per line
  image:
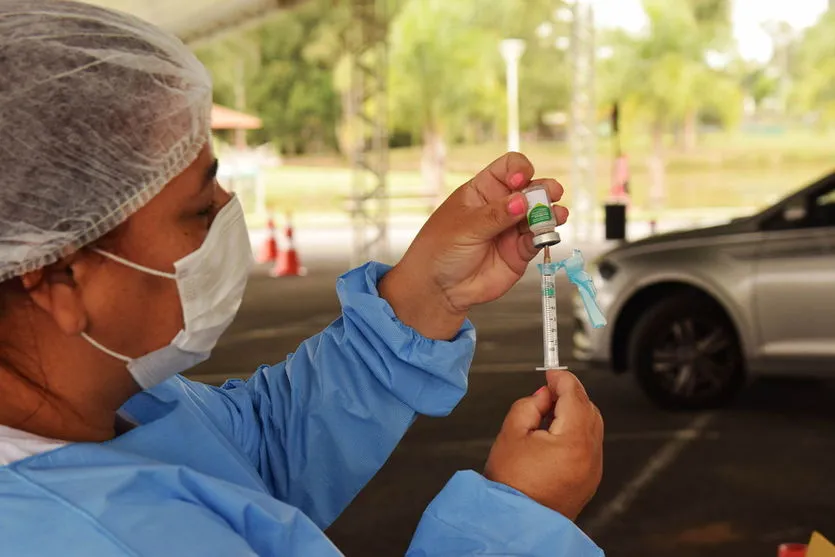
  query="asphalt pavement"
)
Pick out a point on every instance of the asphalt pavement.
point(732, 483)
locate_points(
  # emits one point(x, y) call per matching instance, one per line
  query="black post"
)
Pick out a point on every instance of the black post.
point(615, 210)
point(616, 128)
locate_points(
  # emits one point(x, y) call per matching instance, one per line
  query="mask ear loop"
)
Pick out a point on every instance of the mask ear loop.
point(132, 265)
point(106, 350)
point(136, 266)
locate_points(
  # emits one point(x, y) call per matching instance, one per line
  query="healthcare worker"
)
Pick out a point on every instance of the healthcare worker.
point(121, 263)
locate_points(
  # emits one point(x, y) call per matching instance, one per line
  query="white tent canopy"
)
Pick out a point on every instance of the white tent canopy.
point(195, 21)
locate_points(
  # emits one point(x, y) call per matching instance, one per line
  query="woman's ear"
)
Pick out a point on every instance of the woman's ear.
point(54, 290)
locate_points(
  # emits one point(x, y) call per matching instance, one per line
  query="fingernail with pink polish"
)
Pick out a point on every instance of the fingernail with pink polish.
point(516, 206)
point(539, 391)
point(517, 179)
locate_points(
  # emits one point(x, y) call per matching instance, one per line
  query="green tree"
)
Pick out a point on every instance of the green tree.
point(447, 74)
point(758, 82)
point(784, 40)
point(231, 63)
point(663, 74)
point(443, 77)
point(662, 77)
point(814, 71)
point(283, 72)
point(544, 73)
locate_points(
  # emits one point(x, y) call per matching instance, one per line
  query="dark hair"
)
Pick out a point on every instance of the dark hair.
point(9, 290)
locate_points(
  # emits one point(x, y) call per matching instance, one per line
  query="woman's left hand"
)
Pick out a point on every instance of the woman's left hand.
point(472, 249)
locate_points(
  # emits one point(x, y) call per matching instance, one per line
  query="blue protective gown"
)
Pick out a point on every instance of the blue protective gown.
point(261, 467)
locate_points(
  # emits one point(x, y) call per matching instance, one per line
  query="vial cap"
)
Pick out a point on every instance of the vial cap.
point(550, 238)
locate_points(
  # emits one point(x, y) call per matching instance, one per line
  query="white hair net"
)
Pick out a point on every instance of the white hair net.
point(98, 112)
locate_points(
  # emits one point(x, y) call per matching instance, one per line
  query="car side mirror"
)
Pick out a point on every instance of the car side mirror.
point(795, 212)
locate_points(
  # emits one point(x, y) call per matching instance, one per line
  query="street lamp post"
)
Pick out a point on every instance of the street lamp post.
point(512, 50)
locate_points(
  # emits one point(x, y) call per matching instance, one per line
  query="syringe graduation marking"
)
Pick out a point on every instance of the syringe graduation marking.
point(549, 317)
point(574, 268)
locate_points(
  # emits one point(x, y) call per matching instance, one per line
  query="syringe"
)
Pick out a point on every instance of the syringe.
point(550, 337)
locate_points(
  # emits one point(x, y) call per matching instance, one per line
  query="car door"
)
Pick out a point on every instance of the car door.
point(794, 293)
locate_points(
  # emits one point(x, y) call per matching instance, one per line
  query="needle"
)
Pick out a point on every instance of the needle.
point(547, 252)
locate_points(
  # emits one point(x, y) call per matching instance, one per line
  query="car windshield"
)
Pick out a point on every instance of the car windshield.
point(768, 203)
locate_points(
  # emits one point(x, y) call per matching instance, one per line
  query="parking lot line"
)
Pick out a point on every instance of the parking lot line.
point(657, 463)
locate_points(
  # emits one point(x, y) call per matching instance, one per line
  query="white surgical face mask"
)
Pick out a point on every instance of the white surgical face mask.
point(211, 283)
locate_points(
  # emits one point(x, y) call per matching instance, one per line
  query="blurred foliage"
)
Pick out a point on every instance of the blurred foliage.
point(662, 76)
point(285, 70)
point(757, 82)
point(447, 77)
point(447, 74)
point(441, 75)
point(814, 72)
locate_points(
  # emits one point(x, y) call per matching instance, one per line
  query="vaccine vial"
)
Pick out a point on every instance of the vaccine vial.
point(541, 219)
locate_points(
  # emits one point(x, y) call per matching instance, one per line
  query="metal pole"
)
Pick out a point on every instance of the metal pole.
point(581, 131)
point(366, 118)
point(512, 50)
point(513, 106)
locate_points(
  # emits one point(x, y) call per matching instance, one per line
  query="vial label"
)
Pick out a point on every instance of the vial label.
point(539, 209)
point(539, 213)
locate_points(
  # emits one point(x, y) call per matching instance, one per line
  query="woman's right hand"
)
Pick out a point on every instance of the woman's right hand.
point(561, 466)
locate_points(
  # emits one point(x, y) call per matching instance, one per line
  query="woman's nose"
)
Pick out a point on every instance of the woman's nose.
point(222, 197)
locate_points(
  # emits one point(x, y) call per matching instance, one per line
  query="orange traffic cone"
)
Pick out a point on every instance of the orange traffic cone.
point(288, 263)
point(269, 252)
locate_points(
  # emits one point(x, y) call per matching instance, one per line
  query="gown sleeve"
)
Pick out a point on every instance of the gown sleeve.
point(475, 516)
point(319, 425)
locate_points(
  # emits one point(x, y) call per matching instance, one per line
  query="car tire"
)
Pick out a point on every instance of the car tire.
point(686, 354)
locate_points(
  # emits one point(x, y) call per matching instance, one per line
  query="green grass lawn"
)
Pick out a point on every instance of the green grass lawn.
point(727, 173)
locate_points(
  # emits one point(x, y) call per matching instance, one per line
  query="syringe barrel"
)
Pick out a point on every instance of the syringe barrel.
point(550, 341)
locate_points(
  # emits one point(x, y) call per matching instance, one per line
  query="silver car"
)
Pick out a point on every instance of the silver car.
point(694, 314)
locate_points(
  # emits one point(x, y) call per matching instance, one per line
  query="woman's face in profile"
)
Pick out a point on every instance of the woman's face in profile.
point(133, 312)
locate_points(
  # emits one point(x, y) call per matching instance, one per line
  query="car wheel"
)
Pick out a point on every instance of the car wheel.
point(686, 354)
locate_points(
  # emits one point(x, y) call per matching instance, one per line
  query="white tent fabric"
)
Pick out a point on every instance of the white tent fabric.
point(195, 21)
